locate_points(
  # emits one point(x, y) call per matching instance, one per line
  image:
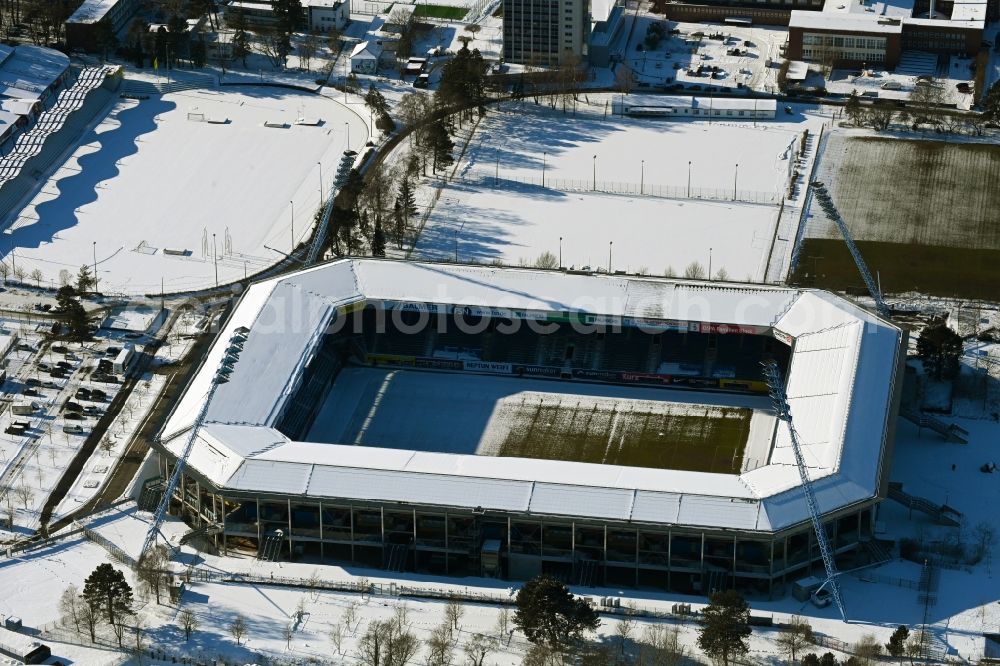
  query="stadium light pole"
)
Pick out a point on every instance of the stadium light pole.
point(95, 266)
point(736, 175)
point(215, 260)
point(560, 252)
point(689, 179)
point(293, 225)
point(709, 263)
point(320, 184)
point(348, 126)
point(642, 175)
point(544, 155)
point(610, 243)
point(595, 173)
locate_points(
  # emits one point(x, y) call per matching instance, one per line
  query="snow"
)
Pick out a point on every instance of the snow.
point(495, 208)
point(147, 180)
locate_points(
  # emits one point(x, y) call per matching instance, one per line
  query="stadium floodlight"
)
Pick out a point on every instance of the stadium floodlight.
point(221, 377)
point(783, 410)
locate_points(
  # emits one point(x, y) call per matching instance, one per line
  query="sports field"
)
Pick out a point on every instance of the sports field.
point(533, 418)
point(922, 212)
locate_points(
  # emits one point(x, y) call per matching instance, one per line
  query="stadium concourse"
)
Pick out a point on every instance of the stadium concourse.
point(578, 461)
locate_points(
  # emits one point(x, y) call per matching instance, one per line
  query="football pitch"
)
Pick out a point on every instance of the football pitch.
point(536, 418)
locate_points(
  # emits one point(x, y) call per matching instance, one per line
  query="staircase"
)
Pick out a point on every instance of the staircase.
point(586, 569)
point(917, 63)
point(270, 547)
point(394, 556)
point(950, 431)
point(942, 515)
point(142, 87)
point(205, 530)
point(149, 499)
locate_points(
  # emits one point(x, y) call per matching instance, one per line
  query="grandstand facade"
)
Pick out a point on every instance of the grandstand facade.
point(253, 483)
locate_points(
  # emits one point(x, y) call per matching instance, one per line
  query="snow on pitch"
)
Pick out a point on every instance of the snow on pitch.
point(519, 221)
point(147, 179)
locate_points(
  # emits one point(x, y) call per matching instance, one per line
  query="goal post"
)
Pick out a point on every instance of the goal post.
point(196, 117)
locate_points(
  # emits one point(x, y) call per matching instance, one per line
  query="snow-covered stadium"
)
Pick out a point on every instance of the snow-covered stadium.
point(471, 420)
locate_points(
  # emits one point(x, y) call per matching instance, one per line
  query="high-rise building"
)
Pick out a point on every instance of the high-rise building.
point(545, 32)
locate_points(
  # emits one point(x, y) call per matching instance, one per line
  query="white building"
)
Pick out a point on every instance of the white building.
point(682, 106)
point(365, 57)
point(325, 15)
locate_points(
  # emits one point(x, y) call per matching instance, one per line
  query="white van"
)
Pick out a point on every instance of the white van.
point(73, 429)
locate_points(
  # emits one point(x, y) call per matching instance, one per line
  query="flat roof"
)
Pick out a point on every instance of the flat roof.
point(27, 71)
point(691, 102)
point(848, 22)
point(91, 11)
point(840, 385)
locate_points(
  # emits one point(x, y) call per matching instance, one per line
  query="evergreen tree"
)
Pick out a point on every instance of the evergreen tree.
point(407, 201)
point(463, 80)
point(853, 109)
point(939, 348)
point(84, 280)
point(288, 17)
point(547, 612)
point(725, 626)
point(378, 238)
point(398, 225)
point(441, 146)
point(78, 323)
point(241, 43)
point(896, 646)
point(375, 101)
point(107, 587)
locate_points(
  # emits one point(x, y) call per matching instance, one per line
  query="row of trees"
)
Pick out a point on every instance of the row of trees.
point(926, 106)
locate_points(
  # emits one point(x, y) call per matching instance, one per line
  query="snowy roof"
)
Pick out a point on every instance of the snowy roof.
point(91, 11)
point(366, 50)
point(867, 23)
point(689, 102)
point(840, 389)
point(27, 71)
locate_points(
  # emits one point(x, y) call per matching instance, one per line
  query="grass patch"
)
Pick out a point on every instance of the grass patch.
point(441, 12)
point(669, 436)
point(938, 271)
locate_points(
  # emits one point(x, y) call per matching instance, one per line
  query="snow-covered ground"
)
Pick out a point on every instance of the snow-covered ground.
point(148, 179)
point(496, 208)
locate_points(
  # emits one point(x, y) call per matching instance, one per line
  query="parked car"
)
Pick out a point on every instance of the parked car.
point(73, 416)
point(71, 406)
point(821, 598)
point(97, 395)
point(73, 429)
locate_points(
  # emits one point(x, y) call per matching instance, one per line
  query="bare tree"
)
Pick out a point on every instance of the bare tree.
point(37, 276)
point(350, 616)
point(151, 568)
point(271, 42)
point(503, 622)
point(19, 274)
point(238, 628)
point(624, 79)
point(25, 494)
point(119, 626)
point(313, 584)
point(69, 607)
point(287, 633)
point(925, 101)
point(384, 645)
point(661, 646)
point(189, 623)
point(795, 637)
point(308, 48)
point(868, 649)
point(722, 274)
point(478, 648)
point(401, 617)
point(336, 636)
point(440, 645)
point(623, 630)
point(139, 639)
point(546, 260)
point(4, 271)
point(453, 612)
point(89, 617)
point(694, 271)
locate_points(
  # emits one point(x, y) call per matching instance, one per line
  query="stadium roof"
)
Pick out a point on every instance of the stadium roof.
point(839, 384)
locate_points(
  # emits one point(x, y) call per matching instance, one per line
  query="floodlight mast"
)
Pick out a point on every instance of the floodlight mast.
point(831, 210)
point(234, 347)
point(780, 399)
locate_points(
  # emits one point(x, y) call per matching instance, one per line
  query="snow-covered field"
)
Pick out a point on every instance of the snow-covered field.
point(466, 413)
point(497, 209)
point(147, 180)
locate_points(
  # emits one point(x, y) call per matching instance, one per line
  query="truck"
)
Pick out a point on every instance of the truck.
point(124, 360)
point(24, 408)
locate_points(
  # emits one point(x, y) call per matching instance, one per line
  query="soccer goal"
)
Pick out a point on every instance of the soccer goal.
point(194, 116)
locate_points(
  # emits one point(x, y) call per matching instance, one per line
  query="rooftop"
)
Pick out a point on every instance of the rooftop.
point(840, 386)
point(91, 11)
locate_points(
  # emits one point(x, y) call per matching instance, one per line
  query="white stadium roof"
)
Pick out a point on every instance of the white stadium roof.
point(840, 388)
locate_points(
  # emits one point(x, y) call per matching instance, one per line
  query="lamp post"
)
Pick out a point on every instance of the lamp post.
point(321, 194)
point(709, 263)
point(689, 179)
point(610, 243)
point(215, 259)
point(95, 266)
point(348, 126)
point(544, 155)
point(642, 176)
point(595, 173)
point(560, 252)
point(293, 225)
point(736, 175)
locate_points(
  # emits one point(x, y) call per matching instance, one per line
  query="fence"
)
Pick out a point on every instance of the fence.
point(114, 551)
point(486, 178)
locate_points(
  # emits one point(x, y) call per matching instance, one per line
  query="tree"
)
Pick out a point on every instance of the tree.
point(84, 280)
point(547, 260)
point(150, 570)
point(4, 271)
point(336, 636)
point(624, 79)
point(478, 647)
point(853, 109)
point(241, 42)
point(25, 494)
point(69, 607)
point(463, 81)
point(694, 271)
point(440, 645)
point(287, 632)
point(385, 643)
point(896, 647)
point(375, 100)
point(623, 630)
point(441, 146)
point(867, 649)
point(189, 623)
point(238, 628)
point(378, 238)
point(915, 646)
point(308, 48)
point(107, 587)
point(940, 348)
point(725, 626)
point(503, 622)
point(90, 613)
point(661, 646)
point(991, 105)
point(37, 276)
point(118, 628)
point(925, 101)
point(794, 637)
point(287, 17)
point(880, 114)
point(453, 612)
point(810, 660)
point(548, 613)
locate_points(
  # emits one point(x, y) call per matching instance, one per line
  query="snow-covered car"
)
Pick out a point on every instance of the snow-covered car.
point(821, 598)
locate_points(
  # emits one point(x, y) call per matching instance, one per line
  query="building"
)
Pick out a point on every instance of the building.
point(29, 77)
point(548, 33)
point(259, 477)
point(875, 33)
point(682, 106)
point(326, 15)
point(365, 57)
point(256, 13)
point(84, 25)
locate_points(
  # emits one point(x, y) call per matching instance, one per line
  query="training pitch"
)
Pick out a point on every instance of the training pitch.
point(531, 418)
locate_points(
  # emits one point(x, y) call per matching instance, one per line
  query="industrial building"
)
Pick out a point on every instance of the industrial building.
point(259, 479)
